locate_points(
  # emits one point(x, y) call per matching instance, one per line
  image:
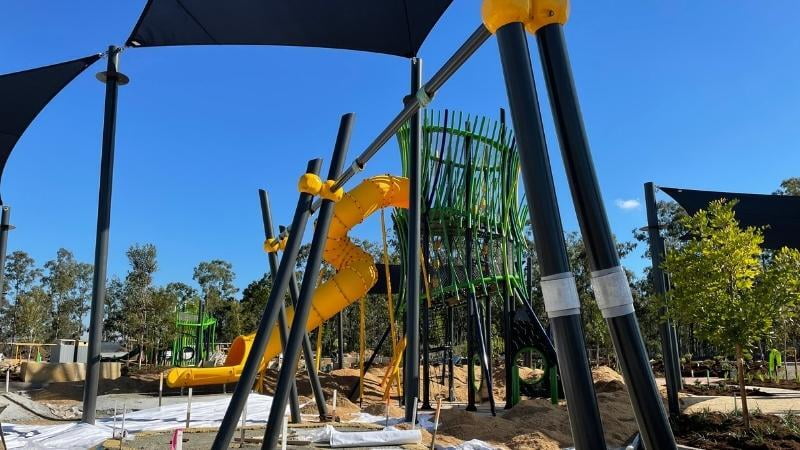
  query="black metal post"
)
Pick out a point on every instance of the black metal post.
point(283, 327)
point(609, 282)
point(340, 340)
point(508, 358)
point(472, 313)
point(267, 323)
point(308, 354)
point(112, 79)
point(426, 324)
point(307, 288)
point(660, 289)
point(558, 284)
point(411, 368)
point(5, 227)
point(451, 394)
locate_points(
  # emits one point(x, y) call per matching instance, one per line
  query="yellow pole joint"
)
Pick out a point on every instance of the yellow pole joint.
point(312, 184)
point(534, 14)
point(272, 245)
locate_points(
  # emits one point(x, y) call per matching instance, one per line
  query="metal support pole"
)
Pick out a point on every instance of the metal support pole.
point(411, 368)
point(112, 79)
point(308, 356)
point(508, 358)
point(340, 340)
point(660, 289)
point(609, 282)
point(5, 227)
point(267, 323)
point(558, 284)
point(426, 325)
point(307, 288)
point(451, 393)
point(468, 250)
point(266, 218)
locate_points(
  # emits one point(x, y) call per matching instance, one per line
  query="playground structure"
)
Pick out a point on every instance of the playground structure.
point(460, 161)
point(196, 337)
point(508, 21)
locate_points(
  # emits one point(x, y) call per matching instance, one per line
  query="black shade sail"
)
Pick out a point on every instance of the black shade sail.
point(394, 27)
point(24, 94)
point(779, 214)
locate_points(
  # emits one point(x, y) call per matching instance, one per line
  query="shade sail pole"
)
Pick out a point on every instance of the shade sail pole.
point(671, 361)
point(5, 227)
point(411, 369)
point(112, 79)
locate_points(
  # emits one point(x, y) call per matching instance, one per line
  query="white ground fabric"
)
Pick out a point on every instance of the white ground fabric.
point(170, 417)
point(387, 436)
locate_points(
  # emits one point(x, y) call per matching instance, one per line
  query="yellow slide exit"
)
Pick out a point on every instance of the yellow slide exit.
point(355, 276)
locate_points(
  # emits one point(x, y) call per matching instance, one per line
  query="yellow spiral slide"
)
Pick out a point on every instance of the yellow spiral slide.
point(355, 276)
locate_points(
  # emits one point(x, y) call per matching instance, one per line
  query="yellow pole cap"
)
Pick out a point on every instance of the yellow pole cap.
point(547, 12)
point(534, 14)
point(309, 183)
point(496, 13)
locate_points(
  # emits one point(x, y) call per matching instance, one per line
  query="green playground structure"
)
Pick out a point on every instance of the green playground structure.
point(196, 336)
point(474, 253)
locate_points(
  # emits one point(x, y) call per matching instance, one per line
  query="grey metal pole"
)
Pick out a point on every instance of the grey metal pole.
point(411, 360)
point(112, 79)
point(283, 328)
point(307, 288)
point(558, 284)
point(660, 289)
point(5, 227)
point(265, 327)
point(340, 340)
point(468, 244)
point(308, 355)
point(426, 325)
point(609, 282)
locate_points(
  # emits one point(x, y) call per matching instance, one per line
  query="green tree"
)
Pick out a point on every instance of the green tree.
point(789, 186)
point(115, 322)
point(218, 293)
point(68, 283)
point(138, 292)
point(722, 284)
point(31, 310)
point(21, 276)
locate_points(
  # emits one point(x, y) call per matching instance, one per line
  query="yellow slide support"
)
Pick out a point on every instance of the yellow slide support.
point(356, 274)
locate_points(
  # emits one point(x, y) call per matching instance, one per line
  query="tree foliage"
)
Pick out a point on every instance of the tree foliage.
point(724, 284)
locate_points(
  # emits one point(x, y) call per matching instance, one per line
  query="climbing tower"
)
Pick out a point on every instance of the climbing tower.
point(474, 252)
point(196, 336)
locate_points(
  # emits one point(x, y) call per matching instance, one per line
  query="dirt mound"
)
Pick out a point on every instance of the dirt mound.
point(607, 379)
point(379, 409)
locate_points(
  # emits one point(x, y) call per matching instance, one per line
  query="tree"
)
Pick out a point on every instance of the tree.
point(31, 310)
point(68, 283)
point(139, 291)
point(21, 275)
point(789, 186)
point(722, 284)
point(217, 290)
point(115, 321)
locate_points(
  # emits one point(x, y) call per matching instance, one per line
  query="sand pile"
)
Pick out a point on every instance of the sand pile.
point(537, 423)
point(379, 409)
point(607, 379)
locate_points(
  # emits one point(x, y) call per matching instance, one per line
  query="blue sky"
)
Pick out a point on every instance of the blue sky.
point(685, 93)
